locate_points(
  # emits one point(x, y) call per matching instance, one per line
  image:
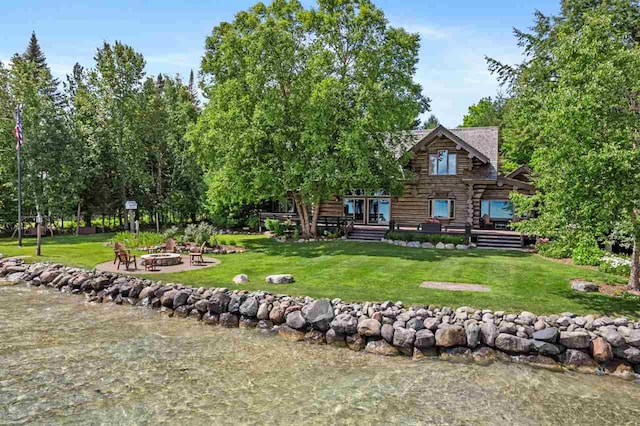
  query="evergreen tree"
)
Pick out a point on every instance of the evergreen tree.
point(431, 123)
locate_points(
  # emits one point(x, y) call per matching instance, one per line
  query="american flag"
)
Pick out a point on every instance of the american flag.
point(18, 129)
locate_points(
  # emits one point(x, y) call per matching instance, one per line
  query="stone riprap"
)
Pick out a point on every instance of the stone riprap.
point(599, 345)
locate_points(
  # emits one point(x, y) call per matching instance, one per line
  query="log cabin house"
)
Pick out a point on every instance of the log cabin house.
point(456, 181)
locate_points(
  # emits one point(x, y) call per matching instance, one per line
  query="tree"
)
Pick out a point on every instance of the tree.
point(306, 103)
point(586, 149)
point(487, 112)
point(431, 123)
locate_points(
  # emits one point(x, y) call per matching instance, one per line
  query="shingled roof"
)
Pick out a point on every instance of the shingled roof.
point(482, 142)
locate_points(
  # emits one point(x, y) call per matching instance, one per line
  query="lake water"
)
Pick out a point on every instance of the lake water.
point(64, 361)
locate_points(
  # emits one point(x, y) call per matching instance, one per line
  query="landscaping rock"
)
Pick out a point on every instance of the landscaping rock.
point(369, 328)
point(601, 350)
point(315, 337)
point(180, 298)
point(584, 286)
point(612, 337)
point(263, 311)
point(472, 331)
point(277, 315)
point(219, 303)
point(488, 334)
point(229, 320)
point(619, 369)
point(509, 343)
point(440, 245)
point(424, 339)
point(240, 279)
point(335, 339)
point(249, 307)
point(345, 324)
point(452, 335)
point(628, 353)
point(580, 360)
point(320, 314)
point(280, 279)
point(202, 305)
point(545, 348)
point(575, 339)
point(296, 320)
point(403, 339)
point(355, 342)
point(387, 332)
point(547, 334)
point(380, 347)
point(167, 298)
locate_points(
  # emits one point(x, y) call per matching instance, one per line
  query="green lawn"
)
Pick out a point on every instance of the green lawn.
point(376, 272)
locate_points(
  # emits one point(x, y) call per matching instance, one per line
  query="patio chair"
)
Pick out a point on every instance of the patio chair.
point(150, 264)
point(170, 246)
point(126, 258)
point(197, 255)
point(116, 248)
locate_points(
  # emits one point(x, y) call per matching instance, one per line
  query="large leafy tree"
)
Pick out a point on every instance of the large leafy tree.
point(306, 103)
point(487, 112)
point(581, 88)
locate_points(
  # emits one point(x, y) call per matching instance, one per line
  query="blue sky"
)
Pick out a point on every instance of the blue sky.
point(456, 35)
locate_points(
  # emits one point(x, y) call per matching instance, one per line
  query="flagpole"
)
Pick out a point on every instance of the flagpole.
point(19, 189)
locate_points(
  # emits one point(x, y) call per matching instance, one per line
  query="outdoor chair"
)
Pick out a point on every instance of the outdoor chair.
point(150, 264)
point(170, 246)
point(116, 248)
point(197, 255)
point(126, 258)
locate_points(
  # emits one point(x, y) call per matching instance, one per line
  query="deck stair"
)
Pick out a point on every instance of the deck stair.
point(500, 241)
point(370, 233)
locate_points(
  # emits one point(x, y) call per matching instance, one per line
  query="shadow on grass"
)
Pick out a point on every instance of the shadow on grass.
point(627, 305)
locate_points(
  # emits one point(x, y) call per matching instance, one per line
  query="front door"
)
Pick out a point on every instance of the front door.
point(354, 208)
point(379, 211)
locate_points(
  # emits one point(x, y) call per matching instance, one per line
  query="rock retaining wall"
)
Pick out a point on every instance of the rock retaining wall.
point(599, 345)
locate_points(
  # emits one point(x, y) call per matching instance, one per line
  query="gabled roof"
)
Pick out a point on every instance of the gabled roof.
point(480, 142)
point(520, 170)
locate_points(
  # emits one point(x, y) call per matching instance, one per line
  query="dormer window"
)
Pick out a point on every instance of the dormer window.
point(443, 163)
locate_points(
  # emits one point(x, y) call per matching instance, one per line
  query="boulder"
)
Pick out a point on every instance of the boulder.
point(182, 311)
point(612, 337)
point(509, 343)
point(335, 339)
point(452, 335)
point(369, 328)
point(575, 339)
point(315, 337)
point(403, 339)
point(545, 348)
point(472, 330)
point(290, 334)
point(628, 353)
point(202, 305)
point(277, 315)
point(387, 332)
point(488, 333)
point(263, 311)
point(415, 323)
point(584, 286)
point(229, 320)
point(319, 314)
point(632, 337)
point(601, 350)
point(355, 342)
point(440, 245)
point(180, 298)
point(167, 298)
point(619, 369)
point(431, 323)
point(457, 354)
point(380, 347)
point(218, 303)
point(249, 307)
point(549, 334)
point(240, 279)
point(280, 279)
point(235, 301)
point(579, 360)
point(50, 275)
point(424, 339)
point(296, 320)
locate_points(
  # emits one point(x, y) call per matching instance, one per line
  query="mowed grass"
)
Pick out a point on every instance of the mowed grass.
point(357, 271)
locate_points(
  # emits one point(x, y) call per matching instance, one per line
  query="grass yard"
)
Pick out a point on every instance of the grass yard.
point(376, 272)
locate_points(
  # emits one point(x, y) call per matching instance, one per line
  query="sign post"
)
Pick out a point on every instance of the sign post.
point(131, 207)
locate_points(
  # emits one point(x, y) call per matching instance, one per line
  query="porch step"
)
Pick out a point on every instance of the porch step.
point(500, 241)
point(367, 234)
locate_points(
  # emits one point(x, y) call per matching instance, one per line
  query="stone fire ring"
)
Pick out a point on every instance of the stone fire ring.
point(163, 259)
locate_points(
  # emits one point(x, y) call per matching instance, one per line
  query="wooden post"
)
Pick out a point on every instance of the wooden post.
point(38, 236)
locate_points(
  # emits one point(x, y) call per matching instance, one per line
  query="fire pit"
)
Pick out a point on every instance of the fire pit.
point(162, 259)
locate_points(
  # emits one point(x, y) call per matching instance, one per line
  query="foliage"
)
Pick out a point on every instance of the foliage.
point(615, 265)
point(172, 233)
point(575, 114)
point(280, 228)
point(306, 102)
point(141, 240)
point(587, 252)
point(200, 233)
point(425, 238)
point(487, 112)
point(556, 249)
point(431, 123)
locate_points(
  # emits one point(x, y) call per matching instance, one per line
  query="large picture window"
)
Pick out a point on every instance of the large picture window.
point(442, 209)
point(443, 163)
point(496, 209)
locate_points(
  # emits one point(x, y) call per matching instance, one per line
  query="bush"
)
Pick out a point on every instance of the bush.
point(125, 238)
point(280, 228)
point(615, 265)
point(171, 233)
point(199, 234)
point(555, 249)
point(425, 238)
point(587, 252)
point(143, 239)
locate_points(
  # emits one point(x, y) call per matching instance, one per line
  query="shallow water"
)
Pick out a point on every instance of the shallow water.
point(64, 361)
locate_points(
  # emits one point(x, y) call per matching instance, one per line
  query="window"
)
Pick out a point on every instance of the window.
point(286, 206)
point(443, 163)
point(443, 209)
point(497, 209)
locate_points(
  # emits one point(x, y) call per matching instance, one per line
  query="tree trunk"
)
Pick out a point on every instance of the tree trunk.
point(78, 220)
point(634, 276)
point(314, 220)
